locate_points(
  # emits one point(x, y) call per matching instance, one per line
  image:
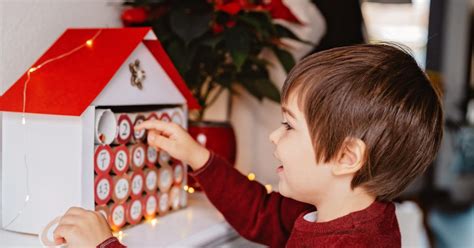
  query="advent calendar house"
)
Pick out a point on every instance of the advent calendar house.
point(53, 150)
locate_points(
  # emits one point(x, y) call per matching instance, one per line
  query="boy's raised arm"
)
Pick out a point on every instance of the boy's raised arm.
point(256, 215)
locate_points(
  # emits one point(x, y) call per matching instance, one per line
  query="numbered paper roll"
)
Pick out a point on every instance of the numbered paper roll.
point(178, 173)
point(139, 136)
point(164, 158)
point(125, 127)
point(152, 116)
point(177, 117)
point(103, 159)
point(103, 210)
point(164, 116)
point(121, 159)
point(151, 156)
point(165, 178)
point(150, 202)
point(137, 156)
point(175, 194)
point(163, 203)
point(122, 188)
point(117, 216)
point(105, 126)
point(103, 189)
point(137, 182)
point(151, 180)
point(134, 211)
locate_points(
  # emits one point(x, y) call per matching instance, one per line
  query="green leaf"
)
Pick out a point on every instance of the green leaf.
point(237, 42)
point(268, 89)
point(285, 58)
point(189, 25)
point(286, 33)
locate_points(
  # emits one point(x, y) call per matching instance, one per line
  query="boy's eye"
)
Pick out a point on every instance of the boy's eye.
point(287, 126)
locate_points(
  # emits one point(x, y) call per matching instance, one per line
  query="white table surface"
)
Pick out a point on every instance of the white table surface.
point(200, 224)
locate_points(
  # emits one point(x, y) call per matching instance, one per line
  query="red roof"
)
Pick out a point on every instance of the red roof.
point(69, 85)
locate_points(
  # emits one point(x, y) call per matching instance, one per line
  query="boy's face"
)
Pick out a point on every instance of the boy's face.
point(301, 177)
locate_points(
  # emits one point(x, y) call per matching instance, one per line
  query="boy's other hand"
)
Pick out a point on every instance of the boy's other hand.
point(82, 228)
point(176, 141)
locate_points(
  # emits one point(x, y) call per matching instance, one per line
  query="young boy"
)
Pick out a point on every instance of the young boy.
point(359, 124)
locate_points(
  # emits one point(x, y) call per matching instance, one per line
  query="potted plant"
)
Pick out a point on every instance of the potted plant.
point(216, 45)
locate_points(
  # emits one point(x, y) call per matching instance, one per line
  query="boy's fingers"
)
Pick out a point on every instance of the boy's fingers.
point(62, 231)
point(75, 211)
point(69, 220)
point(158, 141)
point(157, 125)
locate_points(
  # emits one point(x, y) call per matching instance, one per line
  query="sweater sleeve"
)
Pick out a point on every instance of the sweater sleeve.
point(111, 242)
point(258, 216)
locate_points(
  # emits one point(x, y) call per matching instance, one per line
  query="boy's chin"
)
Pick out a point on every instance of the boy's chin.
point(282, 189)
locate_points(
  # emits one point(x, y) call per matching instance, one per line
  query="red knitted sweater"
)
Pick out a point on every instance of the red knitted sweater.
point(277, 221)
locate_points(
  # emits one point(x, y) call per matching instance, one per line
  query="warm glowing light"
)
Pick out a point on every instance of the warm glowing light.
point(154, 222)
point(185, 187)
point(32, 69)
point(191, 190)
point(89, 43)
point(251, 176)
point(268, 187)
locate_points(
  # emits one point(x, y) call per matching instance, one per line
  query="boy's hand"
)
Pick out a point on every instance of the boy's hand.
point(82, 228)
point(173, 139)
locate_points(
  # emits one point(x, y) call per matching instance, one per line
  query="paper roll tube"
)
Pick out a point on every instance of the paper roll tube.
point(137, 156)
point(124, 129)
point(105, 127)
point(134, 211)
point(183, 198)
point(164, 158)
point(151, 180)
point(46, 236)
point(175, 197)
point(103, 189)
point(165, 178)
point(150, 204)
point(137, 183)
point(178, 173)
point(177, 117)
point(103, 210)
point(103, 155)
point(165, 117)
point(151, 156)
point(152, 116)
point(121, 161)
point(163, 202)
point(122, 188)
point(117, 216)
point(139, 136)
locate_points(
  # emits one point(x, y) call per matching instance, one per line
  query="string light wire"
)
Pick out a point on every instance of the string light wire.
point(88, 43)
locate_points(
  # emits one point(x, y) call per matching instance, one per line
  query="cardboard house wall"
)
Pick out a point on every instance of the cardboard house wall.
point(57, 142)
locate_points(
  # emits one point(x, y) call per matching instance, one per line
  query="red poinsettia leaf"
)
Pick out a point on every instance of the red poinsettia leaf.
point(134, 16)
point(230, 8)
point(278, 10)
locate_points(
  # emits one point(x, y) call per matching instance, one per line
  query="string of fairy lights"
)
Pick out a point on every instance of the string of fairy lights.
point(89, 43)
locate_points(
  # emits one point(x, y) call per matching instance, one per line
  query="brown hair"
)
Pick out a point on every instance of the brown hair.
point(376, 93)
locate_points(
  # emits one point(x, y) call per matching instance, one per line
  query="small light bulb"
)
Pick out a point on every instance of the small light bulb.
point(268, 187)
point(32, 69)
point(185, 187)
point(153, 222)
point(251, 176)
point(89, 43)
point(23, 120)
point(191, 190)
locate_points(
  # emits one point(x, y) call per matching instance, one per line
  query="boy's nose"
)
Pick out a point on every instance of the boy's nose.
point(273, 136)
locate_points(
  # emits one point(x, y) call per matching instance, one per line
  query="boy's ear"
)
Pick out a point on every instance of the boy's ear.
point(350, 158)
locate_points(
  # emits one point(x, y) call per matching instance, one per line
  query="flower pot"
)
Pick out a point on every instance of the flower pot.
point(218, 137)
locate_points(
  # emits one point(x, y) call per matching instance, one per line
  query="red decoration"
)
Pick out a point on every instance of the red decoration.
point(134, 16)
